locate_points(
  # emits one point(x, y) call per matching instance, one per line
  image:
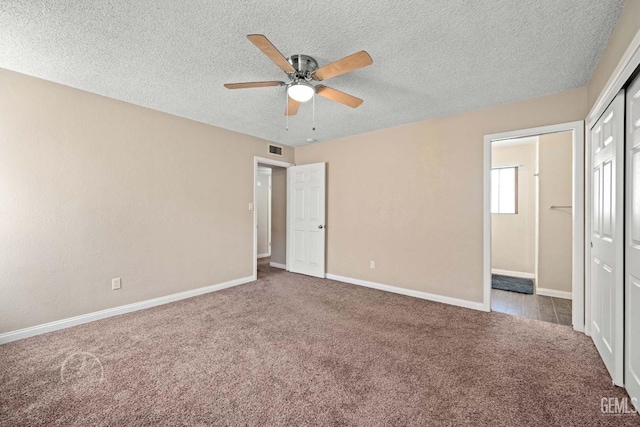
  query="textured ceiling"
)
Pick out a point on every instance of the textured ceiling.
point(431, 58)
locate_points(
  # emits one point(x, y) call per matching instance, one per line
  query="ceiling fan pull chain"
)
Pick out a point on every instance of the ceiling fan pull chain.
point(286, 99)
point(313, 103)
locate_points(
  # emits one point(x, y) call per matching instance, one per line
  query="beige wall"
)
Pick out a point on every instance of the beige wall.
point(92, 188)
point(410, 197)
point(262, 212)
point(513, 237)
point(555, 234)
point(625, 30)
point(279, 215)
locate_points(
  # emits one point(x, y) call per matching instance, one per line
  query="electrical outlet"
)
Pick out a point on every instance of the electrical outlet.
point(372, 264)
point(115, 284)
point(250, 206)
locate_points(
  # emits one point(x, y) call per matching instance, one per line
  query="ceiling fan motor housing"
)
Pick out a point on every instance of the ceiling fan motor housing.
point(304, 65)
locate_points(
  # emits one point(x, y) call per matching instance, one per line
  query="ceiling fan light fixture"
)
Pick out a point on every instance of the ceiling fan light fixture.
point(301, 91)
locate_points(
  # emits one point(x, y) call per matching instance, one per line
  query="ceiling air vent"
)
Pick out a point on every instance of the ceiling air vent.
point(275, 149)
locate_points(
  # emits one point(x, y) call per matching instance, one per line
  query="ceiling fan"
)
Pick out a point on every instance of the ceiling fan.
point(302, 70)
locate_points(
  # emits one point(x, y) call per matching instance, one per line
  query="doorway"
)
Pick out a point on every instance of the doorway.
point(533, 235)
point(303, 206)
point(531, 214)
point(270, 216)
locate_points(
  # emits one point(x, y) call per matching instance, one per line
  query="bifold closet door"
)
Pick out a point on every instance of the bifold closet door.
point(632, 245)
point(607, 237)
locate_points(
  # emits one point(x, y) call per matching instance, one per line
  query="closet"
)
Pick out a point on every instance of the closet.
point(614, 238)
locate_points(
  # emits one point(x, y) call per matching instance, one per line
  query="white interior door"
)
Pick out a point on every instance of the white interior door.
point(632, 250)
point(607, 238)
point(306, 237)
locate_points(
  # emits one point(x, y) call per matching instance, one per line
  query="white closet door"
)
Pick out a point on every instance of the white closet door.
point(607, 237)
point(306, 237)
point(632, 250)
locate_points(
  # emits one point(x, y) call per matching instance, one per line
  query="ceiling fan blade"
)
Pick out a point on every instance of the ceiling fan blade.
point(252, 84)
point(270, 50)
point(344, 65)
point(292, 107)
point(336, 95)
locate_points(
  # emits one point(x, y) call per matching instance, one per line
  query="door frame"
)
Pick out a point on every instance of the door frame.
point(270, 162)
point(578, 220)
point(269, 214)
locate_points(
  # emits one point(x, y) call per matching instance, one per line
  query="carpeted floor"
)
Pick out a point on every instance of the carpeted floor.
point(295, 350)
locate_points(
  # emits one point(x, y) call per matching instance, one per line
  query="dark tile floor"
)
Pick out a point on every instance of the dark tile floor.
point(538, 307)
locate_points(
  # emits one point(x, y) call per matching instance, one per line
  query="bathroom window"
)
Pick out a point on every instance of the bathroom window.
point(504, 190)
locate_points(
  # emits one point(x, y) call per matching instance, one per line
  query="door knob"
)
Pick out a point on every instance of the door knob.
point(320, 226)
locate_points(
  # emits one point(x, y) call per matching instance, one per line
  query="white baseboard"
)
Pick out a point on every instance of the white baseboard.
point(554, 293)
point(276, 265)
point(110, 312)
point(409, 292)
point(263, 255)
point(521, 274)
